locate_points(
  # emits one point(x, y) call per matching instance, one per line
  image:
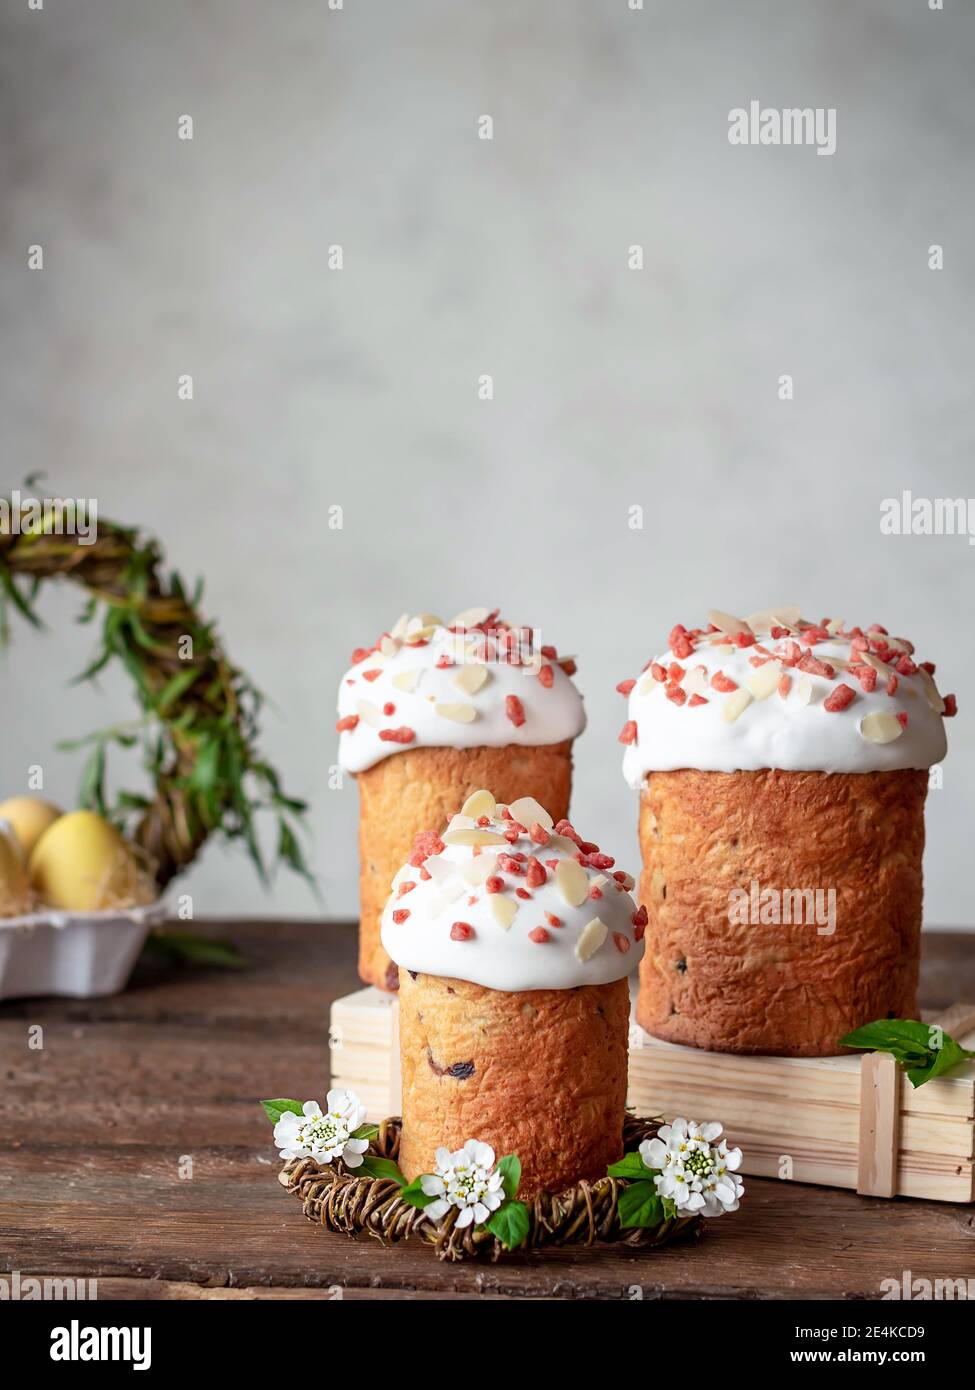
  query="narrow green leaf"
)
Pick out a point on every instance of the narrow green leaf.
point(196, 950)
point(366, 1131)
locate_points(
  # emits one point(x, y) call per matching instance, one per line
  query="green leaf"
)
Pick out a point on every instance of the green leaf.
point(91, 794)
point(640, 1205)
point(274, 1109)
point(383, 1168)
point(912, 1044)
point(631, 1166)
point(174, 688)
point(510, 1169)
point(365, 1132)
point(196, 950)
point(510, 1224)
point(17, 599)
point(948, 1055)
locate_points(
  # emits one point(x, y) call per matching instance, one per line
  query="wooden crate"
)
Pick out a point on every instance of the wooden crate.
point(846, 1121)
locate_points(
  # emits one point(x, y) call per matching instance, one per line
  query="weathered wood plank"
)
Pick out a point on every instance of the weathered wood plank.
point(94, 1126)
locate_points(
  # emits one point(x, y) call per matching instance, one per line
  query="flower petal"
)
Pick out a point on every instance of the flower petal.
point(654, 1153)
point(466, 1217)
point(431, 1185)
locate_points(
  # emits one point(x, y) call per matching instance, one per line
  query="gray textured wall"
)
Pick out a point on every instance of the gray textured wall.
point(612, 387)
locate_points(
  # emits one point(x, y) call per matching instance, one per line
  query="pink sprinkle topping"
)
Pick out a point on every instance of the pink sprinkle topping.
point(839, 698)
point(401, 735)
point(515, 710)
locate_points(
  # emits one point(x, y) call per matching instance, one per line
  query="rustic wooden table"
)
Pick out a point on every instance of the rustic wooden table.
point(135, 1152)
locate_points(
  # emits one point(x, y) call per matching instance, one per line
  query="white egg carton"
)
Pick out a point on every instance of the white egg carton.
point(76, 954)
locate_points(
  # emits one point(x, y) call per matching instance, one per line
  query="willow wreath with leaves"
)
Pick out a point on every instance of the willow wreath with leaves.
point(199, 720)
point(372, 1203)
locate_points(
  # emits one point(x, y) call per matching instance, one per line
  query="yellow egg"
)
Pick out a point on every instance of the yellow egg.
point(14, 888)
point(81, 863)
point(29, 816)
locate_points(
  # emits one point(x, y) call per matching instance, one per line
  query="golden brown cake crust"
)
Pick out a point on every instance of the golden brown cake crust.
point(420, 789)
point(780, 989)
point(541, 1074)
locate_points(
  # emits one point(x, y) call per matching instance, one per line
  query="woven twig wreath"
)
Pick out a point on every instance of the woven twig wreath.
point(334, 1196)
point(199, 721)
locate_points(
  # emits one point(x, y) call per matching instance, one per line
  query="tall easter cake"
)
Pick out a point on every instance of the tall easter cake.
point(431, 712)
point(514, 938)
point(782, 767)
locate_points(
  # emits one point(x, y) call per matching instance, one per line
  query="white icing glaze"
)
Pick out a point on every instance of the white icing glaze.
point(777, 732)
point(507, 958)
point(442, 714)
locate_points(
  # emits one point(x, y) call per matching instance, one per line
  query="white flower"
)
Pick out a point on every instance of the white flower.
point(465, 1179)
point(696, 1174)
point(327, 1136)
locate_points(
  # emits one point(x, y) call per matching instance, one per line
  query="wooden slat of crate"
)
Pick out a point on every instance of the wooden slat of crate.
point(805, 1109)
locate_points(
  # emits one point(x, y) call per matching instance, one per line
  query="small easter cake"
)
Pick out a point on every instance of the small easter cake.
point(429, 713)
point(514, 938)
point(783, 767)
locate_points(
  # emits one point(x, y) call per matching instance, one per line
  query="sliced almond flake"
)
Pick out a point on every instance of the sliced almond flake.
point(461, 822)
point(783, 615)
point(457, 714)
point(469, 617)
point(840, 662)
point(526, 810)
point(591, 937)
point(804, 690)
point(388, 646)
point(868, 659)
point(406, 680)
point(475, 870)
point(439, 868)
point(931, 692)
point(423, 620)
point(695, 682)
point(470, 677)
point(473, 837)
point(600, 881)
point(734, 703)
point(369, 713)
point(480, 803)
point(647, 685)
point(896, 644)
point(504, 909)
point(399, 627)
point(880, 728)
point(835, 625)
point(420, 634)
point(727, 622)
point(572, 881)
point(563, 843)
point(764, 679)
